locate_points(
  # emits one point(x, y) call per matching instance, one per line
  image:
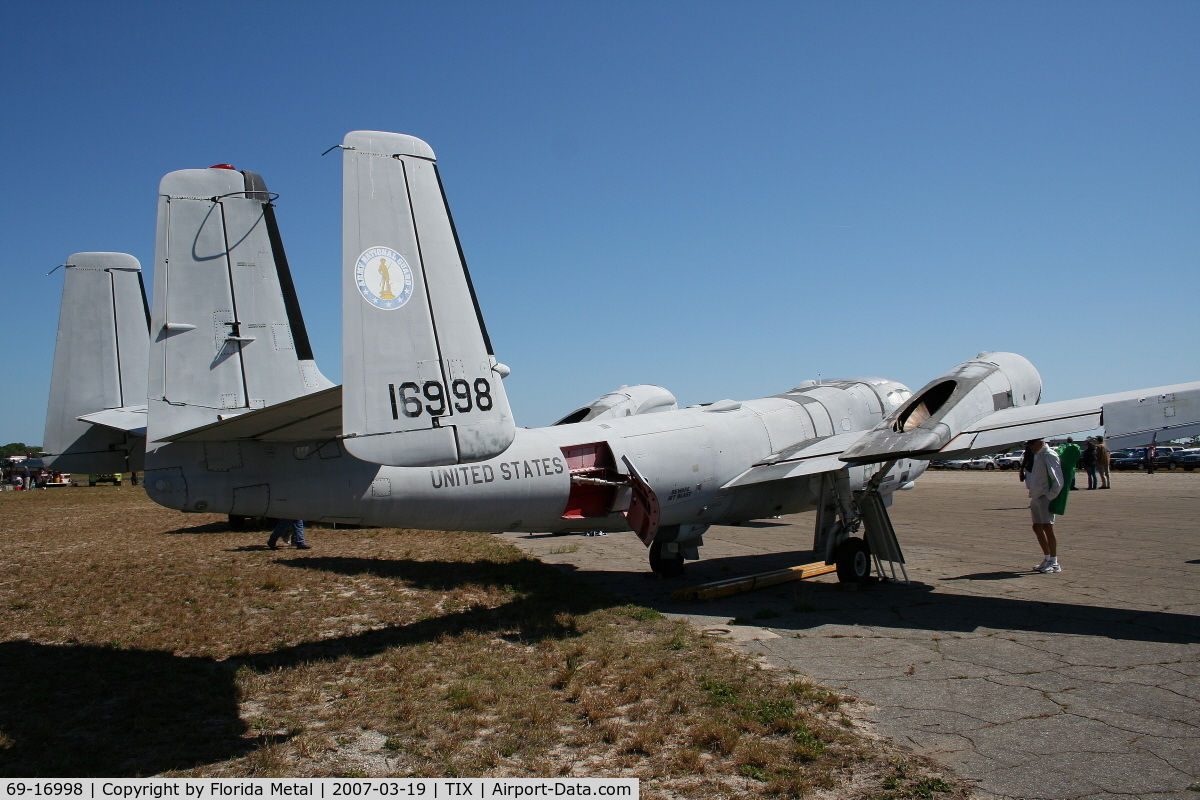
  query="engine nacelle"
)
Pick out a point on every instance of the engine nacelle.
point(948, 405)
point(627, 401)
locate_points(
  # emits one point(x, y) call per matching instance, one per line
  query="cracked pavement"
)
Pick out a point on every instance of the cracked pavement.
point(1082, 684)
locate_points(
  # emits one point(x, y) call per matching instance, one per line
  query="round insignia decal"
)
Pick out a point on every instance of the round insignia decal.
point(384, 278)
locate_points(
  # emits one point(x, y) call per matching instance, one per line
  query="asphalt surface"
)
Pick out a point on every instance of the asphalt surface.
point(1082, 684)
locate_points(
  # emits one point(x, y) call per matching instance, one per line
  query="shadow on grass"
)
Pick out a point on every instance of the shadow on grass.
point(523, 575)
point(79, 711)
point(544, 607)
point(86, 711)
point(211, 527)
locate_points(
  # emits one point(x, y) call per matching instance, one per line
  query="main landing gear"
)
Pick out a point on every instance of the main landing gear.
point(668, 565)
point(841, 514)
point(853, 559)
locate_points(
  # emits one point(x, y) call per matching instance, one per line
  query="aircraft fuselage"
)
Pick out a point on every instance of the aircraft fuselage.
point(685, 456)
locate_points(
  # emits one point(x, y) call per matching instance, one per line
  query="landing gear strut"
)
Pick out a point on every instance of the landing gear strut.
point(842, 513)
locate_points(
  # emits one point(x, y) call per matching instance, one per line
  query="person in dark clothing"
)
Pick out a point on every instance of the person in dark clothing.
point(1088, 460)
point(286, 527)
point(1148, 457)
point(1026, 463)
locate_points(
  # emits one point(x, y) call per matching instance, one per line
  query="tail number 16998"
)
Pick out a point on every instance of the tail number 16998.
point(412, 399)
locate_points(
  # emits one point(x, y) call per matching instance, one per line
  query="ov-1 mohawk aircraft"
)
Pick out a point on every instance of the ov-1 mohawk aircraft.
point(238, 419)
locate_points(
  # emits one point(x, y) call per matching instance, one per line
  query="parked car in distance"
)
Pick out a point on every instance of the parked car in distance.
point(1008, 460)
point(1129, 458)
point(1165, 457)
point(1190, 461)
point(114, 478)
point(1184, 459)
point(981, 462)
point(956, 463)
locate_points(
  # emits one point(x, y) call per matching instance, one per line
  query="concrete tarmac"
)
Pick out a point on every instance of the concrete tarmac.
point(1082, 684)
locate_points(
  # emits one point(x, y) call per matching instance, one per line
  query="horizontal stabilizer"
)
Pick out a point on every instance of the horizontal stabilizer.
point(312, 418)
point(130, 419)
point(808, 458)
point(421, 385)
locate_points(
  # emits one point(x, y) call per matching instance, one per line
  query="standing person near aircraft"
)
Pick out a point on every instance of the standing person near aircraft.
point(1044, 479)
point(1069, 456)
point(286, 529)
point(1088, 460)
point(1148, 457)
point(1103, 460)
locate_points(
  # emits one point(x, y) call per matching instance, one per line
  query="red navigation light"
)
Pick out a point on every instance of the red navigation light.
point(224, 166)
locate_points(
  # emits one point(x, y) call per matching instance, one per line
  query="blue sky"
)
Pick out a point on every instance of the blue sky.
point(721, 198)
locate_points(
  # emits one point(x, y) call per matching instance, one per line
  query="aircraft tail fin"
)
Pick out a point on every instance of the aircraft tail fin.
point(421, 385)
point(227, 333)
point(99, 365)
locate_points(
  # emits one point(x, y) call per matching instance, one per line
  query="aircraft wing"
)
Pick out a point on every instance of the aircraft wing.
point(1128, 418)
point(130, 419)
point(313, 417)
point(806, 458)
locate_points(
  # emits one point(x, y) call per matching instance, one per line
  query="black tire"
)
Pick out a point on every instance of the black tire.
point(853, 559)
point(664, 565)
point(990, 466)
point(237, 522)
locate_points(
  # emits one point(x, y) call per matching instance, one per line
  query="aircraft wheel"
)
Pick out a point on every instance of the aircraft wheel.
point(853, 559)
point(664, 565)
point(237, 522)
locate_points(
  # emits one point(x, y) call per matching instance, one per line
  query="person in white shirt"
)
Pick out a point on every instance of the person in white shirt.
point(1044, 479)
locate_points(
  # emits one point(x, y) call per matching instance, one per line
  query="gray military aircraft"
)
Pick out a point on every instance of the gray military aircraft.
point(239, 420)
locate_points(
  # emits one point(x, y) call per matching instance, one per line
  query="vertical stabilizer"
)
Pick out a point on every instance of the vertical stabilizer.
point(99, 363)
point(420, 383)
point(227, 334)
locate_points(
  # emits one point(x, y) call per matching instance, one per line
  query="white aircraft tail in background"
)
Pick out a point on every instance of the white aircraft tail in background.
point(96, 417)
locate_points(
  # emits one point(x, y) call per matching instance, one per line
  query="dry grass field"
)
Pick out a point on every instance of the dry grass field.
point(135, 640)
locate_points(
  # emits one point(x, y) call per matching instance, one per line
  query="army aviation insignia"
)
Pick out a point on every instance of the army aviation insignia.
point(384, 278)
